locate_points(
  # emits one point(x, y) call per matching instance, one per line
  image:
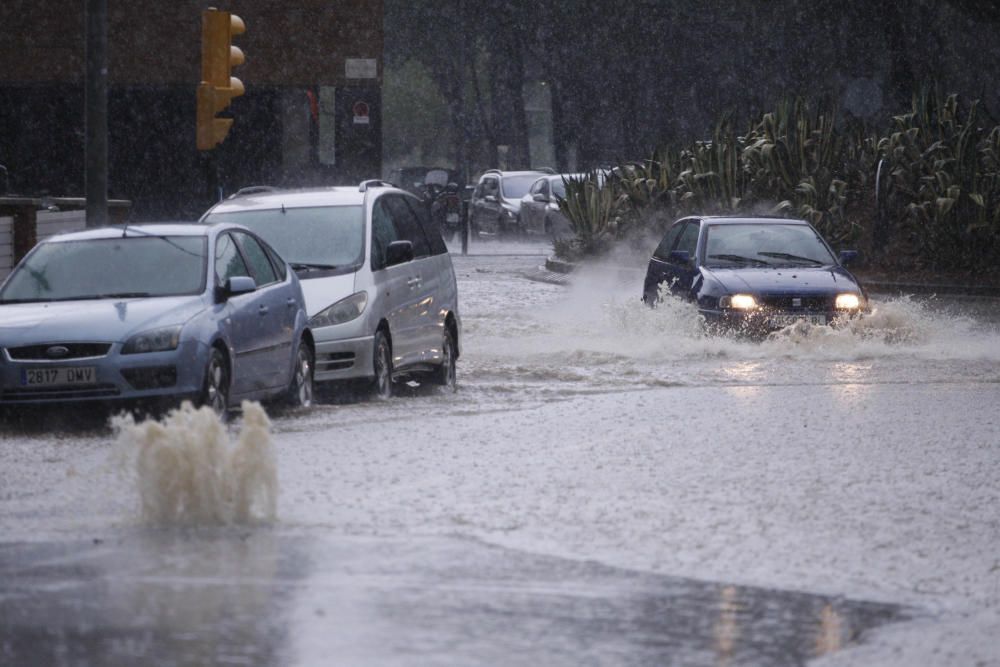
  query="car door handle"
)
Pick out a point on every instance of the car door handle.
point(413, 282)
point(290, 303)
point(262, 310)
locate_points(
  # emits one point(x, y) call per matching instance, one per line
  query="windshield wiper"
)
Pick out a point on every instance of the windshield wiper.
point(120, 295)
point(30, 300)
point(794, 258)
point(307, 266)
point(741, 259)
point(82, 297)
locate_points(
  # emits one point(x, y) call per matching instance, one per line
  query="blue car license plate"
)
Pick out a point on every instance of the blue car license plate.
point(58, 377)
point(787, 319)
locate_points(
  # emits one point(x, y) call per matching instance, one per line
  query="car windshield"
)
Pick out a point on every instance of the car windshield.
point(559, 188)
point(761, 245)
point(321, 236)
point(515, 187)
point(143, 266)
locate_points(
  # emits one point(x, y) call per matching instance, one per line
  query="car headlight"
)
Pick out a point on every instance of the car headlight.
point(738, 301)
point(509, 213)
point(154, 340)
point(848, 302)
point(344, 310)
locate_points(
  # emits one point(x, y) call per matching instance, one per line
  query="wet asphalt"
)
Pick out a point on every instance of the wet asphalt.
point(275, 597)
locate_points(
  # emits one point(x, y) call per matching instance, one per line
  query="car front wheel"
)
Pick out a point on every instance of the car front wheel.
point(215, 390)
point(300, 390)
point(445, 374)
point(382, 385)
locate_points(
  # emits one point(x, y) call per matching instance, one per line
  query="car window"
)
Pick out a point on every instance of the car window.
point(325, 235)
point(407, 226)
point(259, 263)
point(431, 229)
point(491, 186)
point(383, 233)
point(228, 262)
point(689, 238)
point(559, 188)
point(515, 187)
point(280, 268)
point(667, 243)
point(769, 243)
point(94, 268)
point(537, 187)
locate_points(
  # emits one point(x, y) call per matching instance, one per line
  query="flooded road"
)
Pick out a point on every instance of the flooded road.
point(277, 598)
point(608, 486)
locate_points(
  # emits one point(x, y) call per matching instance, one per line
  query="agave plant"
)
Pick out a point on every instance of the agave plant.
point(944, 186)
point(589, 206)
point(713, 178)
point(799, 159)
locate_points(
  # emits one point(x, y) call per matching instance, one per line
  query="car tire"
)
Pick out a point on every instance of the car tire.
point(215, 388)
point(446, 374)
point(382, 361)
point(300, 390)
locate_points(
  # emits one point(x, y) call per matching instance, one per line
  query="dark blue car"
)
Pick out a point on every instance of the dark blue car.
point(754, 274)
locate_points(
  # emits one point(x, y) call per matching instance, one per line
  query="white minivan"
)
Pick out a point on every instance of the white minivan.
point(378, 282)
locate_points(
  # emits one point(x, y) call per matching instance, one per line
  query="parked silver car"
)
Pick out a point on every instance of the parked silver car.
point(495, 206)
point(378, 281)
point(540, 212)
point(209, 313)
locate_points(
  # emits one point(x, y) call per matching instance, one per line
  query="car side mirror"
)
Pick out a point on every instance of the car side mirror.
point(235, 286)
point(540, 197)
point(848, 256)
point(680, 257)
point(398, 252)
point(491, 199)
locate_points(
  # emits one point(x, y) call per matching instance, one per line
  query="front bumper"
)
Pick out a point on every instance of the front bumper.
point(763, 321)
point(344, 359)
point(111, 377)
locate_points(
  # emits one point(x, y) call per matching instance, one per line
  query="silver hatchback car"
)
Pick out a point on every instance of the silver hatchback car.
point(209, 313)
point(378, 281)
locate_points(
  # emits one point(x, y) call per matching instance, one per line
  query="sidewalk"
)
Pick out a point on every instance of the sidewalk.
point(558, 272)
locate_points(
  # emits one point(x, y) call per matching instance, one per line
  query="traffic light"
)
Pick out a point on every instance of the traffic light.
point(217, 87)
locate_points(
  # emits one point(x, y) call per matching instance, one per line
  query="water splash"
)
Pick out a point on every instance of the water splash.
point(187, 471)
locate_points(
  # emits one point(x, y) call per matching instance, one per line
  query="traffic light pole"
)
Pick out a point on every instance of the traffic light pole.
point(96, 114)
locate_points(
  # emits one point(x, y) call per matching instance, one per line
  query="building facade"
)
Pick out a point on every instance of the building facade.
point(311, 114)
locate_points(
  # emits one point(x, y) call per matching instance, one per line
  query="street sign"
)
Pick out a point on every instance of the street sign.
point(361, 113)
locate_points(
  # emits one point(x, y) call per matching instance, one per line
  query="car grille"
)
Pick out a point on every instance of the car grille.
point(151, 377)
point(59, 393)
point(74, 351)
point(336, 361)
point(797, 303)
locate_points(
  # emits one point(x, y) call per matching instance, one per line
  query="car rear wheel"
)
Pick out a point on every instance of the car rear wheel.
point(446, 374)
point(300, 390)
point(382, 385)
point(215, 390)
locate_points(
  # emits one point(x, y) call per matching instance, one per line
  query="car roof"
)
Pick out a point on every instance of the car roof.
point(742, 220)
point(503, 174)
point(299, 198)
point(138, 230)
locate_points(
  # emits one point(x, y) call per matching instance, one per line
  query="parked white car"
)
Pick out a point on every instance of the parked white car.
point(379, 285)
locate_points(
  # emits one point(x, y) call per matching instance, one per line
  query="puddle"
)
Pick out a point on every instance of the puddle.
point(183, 595)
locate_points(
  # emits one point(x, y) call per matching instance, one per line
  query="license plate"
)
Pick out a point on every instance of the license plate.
point(57, 377)
point(784, 320)
point(452, 217)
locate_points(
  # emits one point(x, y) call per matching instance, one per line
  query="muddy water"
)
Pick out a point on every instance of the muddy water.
point(186, 470)
point(596, 335)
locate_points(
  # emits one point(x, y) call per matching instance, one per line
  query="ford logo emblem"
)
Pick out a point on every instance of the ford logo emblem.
point(57, 352)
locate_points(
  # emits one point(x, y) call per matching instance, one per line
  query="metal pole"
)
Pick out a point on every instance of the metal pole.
point(96, 114)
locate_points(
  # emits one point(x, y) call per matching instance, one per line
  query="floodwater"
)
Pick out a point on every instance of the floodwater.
point(609, 486)
point(272, 597)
